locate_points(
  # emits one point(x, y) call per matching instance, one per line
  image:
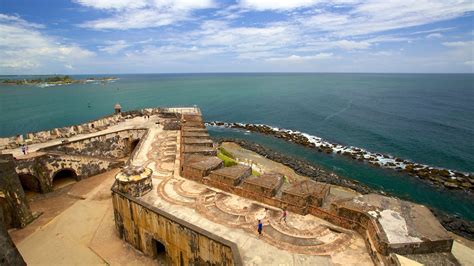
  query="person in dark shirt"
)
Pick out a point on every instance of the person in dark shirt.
point(260, 227)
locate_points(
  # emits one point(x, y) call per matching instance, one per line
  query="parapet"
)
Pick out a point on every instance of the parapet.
point(307, 192)
point(232, 175)
point(196, 166)
point(266, 184)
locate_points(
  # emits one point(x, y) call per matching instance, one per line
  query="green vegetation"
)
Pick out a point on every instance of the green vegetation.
point(227, 157)
point(226, 152)
point(255, 173)
point(51, 80)
point(227, 160)
point(55, 80)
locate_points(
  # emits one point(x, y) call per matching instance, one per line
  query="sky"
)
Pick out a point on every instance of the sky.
point(191, 36)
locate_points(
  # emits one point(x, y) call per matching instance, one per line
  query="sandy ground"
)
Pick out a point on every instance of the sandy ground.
point(76, 228)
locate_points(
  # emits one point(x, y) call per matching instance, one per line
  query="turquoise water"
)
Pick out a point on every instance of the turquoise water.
point(427, 118)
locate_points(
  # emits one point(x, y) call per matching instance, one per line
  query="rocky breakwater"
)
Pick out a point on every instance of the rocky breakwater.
point(445, 178)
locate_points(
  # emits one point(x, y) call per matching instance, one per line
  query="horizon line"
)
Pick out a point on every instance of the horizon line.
point(256, 72)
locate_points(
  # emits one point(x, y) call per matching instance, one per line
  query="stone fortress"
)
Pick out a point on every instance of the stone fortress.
point(176, 201)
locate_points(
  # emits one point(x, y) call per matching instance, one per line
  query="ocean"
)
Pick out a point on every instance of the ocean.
point(426, 118)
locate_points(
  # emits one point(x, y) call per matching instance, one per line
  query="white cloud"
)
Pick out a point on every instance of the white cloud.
point(113, 4)
point(24, 47)
point(352, 45)
point(434, 35)
point(382, 53)
point(129, 14)
point(261, 5)
point(459, 44)
point(298, 58)
point(461, 52)
point(436, 30)
point(376, 16)
point(113, 47)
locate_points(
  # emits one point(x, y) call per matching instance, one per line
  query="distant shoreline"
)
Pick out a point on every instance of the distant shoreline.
point(55, 81)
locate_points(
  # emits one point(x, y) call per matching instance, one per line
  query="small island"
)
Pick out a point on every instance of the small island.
point(55, 80)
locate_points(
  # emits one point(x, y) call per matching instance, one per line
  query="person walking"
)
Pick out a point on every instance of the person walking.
point(259, 227)
point(285, 214)
point(23, 149)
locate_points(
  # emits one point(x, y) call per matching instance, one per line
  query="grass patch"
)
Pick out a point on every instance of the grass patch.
point(255, 173)
point(228, 161)
point(226, 153)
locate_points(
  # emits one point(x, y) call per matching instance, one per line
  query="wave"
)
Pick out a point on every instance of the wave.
point(441, 176)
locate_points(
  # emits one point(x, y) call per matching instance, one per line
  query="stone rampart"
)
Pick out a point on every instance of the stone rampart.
point(69, 131)
point(46, 166)
point(114, 145)
point(13, 203)
point(154, 231)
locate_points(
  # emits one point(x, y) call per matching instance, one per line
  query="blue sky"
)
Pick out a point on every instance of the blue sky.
point(163, 36)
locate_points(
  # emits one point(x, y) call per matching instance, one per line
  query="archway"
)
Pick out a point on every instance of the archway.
point(134, 144)
point(63, 178)
point(159, 251)
point(30, 184)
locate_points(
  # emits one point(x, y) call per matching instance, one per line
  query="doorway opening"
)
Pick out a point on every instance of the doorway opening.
point(159, 251)
point(30, 184)
point(134, 144)
point(64, 178)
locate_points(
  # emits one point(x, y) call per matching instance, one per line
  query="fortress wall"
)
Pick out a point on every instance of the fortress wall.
point(141, 225)
point(69, 131)
point(44, 167)
point(194, 173)
point(13, 203)
point(112, 145)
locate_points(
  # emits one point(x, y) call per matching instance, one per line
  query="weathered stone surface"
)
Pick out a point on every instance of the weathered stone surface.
point(112, 145)
point(145, 227)
point(401, 227)
point(44, 167)
point(15, 208)
point(9, 254)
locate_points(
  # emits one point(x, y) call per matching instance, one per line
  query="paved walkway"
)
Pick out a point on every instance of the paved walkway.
point(137, 122)
point(75, 231)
